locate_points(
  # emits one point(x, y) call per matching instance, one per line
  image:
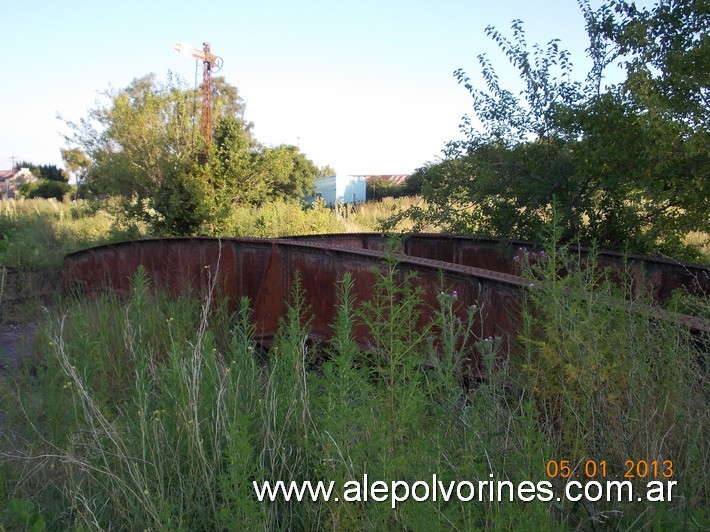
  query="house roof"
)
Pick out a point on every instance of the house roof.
point(10, 174)
point(392, 179)
point(7, 174)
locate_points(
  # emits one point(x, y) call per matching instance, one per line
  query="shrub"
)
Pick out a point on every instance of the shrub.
point(156, 413)
point(45, 188)
point(611, 383)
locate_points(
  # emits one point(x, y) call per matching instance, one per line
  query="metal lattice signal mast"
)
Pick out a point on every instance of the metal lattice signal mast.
point(210, 63)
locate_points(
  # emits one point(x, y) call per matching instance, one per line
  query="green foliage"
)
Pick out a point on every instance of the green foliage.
point(36, 234)
point(49, 172)
point(326, 171)
point(143, 148)
point(244, 173)
point(21, 515)
point(156, 412)
point(668, 55)
point(280, 218)
point(609, 382)
point(141, 144)
point(182, 205)
point(76, 162)
point(625, 169)
point(287, 172)
point(45, 188)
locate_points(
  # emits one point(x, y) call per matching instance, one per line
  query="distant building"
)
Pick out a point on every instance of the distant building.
point(10, 181)
point(347, 189)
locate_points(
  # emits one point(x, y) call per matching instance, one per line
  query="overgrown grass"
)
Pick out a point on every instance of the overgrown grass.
point(36, 234)
point(611, 383)
point(151, 413)
point(376, 215)
point(281, 218)
point(284, 218)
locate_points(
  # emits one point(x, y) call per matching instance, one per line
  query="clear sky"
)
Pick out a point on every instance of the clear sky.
point(364, 86)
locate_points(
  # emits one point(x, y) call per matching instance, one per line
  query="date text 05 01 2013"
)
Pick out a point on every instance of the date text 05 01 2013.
point(642, 469)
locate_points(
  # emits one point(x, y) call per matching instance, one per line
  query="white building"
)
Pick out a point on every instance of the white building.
point(347, 189)
point(10, 181)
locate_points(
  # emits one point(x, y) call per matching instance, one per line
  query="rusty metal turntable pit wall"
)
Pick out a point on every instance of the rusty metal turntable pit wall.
point(264, 271)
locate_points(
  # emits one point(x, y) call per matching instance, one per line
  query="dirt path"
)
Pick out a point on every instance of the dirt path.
point(16, 343)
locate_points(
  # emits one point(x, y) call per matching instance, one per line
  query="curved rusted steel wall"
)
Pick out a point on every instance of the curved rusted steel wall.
point(264, 270)
point(661, 276)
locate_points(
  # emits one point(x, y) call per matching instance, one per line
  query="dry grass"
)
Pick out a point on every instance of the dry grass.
point(372, 215)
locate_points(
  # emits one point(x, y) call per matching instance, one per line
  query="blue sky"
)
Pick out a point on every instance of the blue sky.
point(365, 86)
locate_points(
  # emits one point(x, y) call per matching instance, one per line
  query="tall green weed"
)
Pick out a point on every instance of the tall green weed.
point(612, 381)
point(36, 234)
point(150, 412)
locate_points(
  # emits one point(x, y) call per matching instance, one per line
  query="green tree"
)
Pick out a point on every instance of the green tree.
point(326, 171)
point(45, 188)
point(52, 181)
point(144, 148)
point(667, 51)
point(50, 172)
point(624, 170)
point(140, 143)
point(287, 171)
point(76, 162)
point(248, 173)
point(231, 166)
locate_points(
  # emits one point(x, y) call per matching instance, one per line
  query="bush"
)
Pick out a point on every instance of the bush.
point(612, 384)
point(280, 218)
point(156, 413)
point(36, 234)
point(45, 188)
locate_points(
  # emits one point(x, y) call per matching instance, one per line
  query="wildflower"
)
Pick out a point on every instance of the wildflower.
point(516, 258)
point(455, 294)
point(489, 339)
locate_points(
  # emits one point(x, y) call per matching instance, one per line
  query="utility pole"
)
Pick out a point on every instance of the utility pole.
point(210, 63)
